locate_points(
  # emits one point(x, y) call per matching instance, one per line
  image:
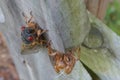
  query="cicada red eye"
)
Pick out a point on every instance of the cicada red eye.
point(22, 28)
point(30, 38)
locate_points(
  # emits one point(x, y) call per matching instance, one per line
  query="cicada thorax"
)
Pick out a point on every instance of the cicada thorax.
point(32, 34)
point(30, 37)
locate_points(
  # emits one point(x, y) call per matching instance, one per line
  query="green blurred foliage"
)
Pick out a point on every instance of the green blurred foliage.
point(112, 18)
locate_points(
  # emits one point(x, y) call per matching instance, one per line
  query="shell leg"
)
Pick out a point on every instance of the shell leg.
point(56, 69)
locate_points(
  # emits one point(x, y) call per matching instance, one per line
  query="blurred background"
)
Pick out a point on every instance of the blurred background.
point(7, 67)
point(112, 18)
point(109, 14)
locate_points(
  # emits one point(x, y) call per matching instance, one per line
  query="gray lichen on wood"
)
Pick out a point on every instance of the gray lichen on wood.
point(103, 61)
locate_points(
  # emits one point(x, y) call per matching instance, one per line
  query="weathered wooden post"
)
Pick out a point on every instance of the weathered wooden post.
point(56, 16)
